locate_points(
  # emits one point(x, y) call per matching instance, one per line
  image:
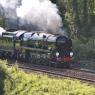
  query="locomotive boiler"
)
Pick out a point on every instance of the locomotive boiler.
point(37, 47)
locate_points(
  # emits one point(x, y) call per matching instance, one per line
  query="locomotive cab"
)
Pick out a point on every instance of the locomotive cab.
point(10, 44)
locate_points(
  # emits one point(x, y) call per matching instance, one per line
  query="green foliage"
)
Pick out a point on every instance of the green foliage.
point(84, 49)
point(16, 82)
point(79, 16)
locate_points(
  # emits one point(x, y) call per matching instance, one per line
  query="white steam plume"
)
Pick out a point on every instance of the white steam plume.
point(33, 14)
point(9, 8)
point(9, 12)
point(42, 14)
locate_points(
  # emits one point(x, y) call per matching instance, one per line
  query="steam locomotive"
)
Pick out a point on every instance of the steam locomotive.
point(36, 47)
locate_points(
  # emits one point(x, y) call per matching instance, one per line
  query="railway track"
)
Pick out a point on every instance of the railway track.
point(83, 75)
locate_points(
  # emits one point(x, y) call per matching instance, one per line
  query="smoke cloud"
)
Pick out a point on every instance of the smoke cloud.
point(41, 15)
point(8, 11)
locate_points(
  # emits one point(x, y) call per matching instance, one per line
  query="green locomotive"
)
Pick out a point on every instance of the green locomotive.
point(36, 47)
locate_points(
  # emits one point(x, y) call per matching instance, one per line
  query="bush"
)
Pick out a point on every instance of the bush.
point(84, 49)
point(16, 82)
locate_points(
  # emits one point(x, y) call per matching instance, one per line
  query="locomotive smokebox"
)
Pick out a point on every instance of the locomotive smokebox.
point(63, 41)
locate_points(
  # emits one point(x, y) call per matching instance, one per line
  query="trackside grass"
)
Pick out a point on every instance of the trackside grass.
point(14, 81)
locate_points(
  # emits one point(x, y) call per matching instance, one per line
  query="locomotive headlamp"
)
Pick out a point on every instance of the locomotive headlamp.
point(71, 54)
point(57, 54)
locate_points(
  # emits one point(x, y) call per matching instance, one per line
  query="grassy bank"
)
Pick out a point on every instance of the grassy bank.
point(16, 82)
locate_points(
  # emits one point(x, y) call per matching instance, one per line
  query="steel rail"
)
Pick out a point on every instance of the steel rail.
point(82, 75)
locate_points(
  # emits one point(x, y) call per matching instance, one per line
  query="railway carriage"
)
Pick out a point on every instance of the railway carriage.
point(36, 47)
